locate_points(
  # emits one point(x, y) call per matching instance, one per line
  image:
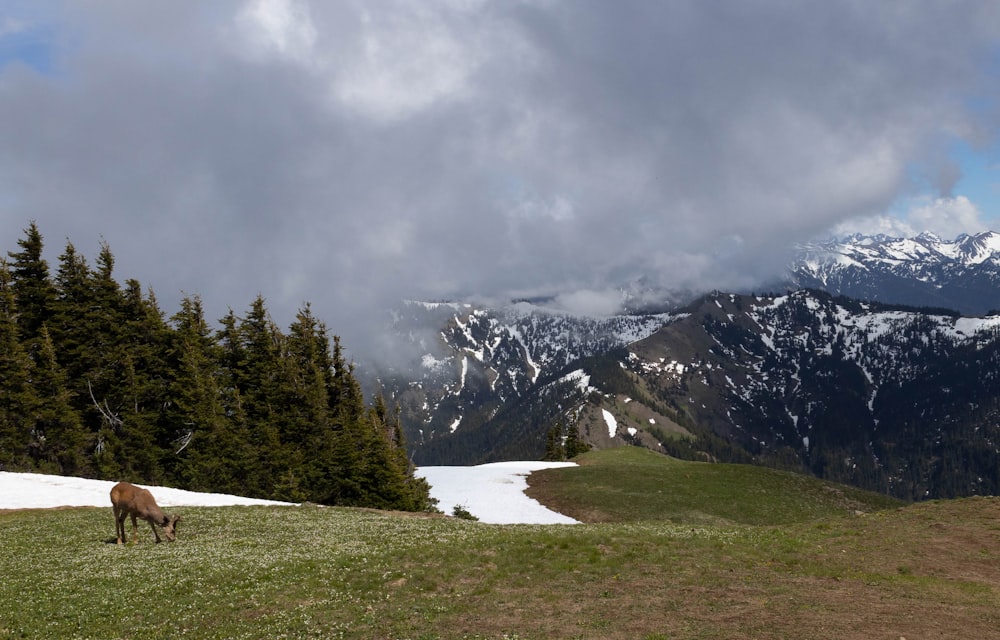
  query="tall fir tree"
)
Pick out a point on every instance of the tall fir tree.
point(231, 362)
point(17, 398)
point(71, 326)
point(143, 382)
point(63, 443)
point(554, 450)
point(210, 449)
point(306, 366)
point(406, 491)
point(255, 377)
point(31, 284)
point(349, 438)
point(574, 445)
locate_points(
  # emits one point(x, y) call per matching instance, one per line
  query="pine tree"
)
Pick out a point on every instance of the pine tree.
point(554, 451)
point(90, 330)
point(63, 443)
point(348, 443)
point(210, 450)
point(574, 444)
point(304, 435)
point(69, 326)
point(16, 393)
point(386, 482)
point(143, 382)
point(414, 493)
point(255, 377)
point(231, 358)
point(32, 287)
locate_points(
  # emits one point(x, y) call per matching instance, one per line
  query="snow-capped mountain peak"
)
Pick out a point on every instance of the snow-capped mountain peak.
point(961, 274)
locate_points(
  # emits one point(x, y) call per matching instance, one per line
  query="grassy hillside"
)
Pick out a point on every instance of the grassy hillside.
point(927, 570)
point(634, 484)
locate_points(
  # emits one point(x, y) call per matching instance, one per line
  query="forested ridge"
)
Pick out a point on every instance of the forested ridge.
point(96, 381)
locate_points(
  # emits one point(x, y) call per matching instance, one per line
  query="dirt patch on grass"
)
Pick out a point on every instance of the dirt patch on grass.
point(540, 487)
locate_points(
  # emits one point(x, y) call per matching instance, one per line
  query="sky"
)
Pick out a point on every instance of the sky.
point(494, 493)
point(351, 153)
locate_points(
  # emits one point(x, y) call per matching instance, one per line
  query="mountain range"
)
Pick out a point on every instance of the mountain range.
point(859, 371)
point(962, 274)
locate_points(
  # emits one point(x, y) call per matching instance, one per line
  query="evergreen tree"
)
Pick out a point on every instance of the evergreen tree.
point(574, 444)
point(62, 440)
point(16, 393)
point(70, 321)
point(386, 478)
point(143, 382)
point(415, 492)
point(307, 427)
point(257, 372)
point(32, 287)
point(231, 359)
point(554, 451)
point(210, 450)
point(348, 443)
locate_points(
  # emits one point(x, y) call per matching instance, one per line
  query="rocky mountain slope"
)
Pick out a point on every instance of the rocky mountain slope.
point(903, 401)
point(463, 391)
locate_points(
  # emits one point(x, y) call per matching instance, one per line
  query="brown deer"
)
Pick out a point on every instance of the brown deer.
point(130, 500)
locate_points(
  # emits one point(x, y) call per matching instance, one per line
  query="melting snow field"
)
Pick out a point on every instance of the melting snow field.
point(37, 491)
point(494, 493)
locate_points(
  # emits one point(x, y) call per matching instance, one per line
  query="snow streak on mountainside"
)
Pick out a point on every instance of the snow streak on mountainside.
point(473, 361)
point(963, 274)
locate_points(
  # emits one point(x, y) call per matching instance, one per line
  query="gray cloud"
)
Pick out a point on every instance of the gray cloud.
point(353, 153)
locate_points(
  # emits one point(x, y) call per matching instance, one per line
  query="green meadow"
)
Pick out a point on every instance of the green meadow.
point(671, 550)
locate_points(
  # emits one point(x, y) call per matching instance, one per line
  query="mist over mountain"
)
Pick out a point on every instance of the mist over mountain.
point(898, 396)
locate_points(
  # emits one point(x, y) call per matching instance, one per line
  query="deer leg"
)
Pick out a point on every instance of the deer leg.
point(155, 534)
point(135, 531)
point(119, 523)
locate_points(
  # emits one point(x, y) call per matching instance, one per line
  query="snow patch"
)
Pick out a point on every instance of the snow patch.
point(611, 422)
point(494, 492)
point(580, 378)
point(432, 363)
point(41, 491)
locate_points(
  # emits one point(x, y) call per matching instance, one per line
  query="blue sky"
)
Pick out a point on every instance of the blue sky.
point(348, 152)
point(28, 47)
point(980, 178)
point(28, 35)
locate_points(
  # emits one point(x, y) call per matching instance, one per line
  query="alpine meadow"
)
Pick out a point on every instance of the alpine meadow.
point(499, 320)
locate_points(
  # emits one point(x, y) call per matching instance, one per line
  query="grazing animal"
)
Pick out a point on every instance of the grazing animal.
point(130, 500)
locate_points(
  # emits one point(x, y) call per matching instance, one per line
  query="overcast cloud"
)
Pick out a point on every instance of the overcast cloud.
point(352, 153)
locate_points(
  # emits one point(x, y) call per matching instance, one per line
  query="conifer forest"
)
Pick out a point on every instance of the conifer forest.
point(98, 382)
